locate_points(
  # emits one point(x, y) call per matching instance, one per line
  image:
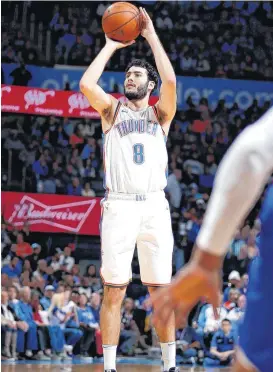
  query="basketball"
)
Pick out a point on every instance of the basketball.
point(122, 22)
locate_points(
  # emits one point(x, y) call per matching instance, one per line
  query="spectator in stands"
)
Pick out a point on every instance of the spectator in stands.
point(129, 331)
point(41, 272)
point(66, 261)
point(8, 327)
point(189, 345)
point(25, 314)
point(46, 300)
point(94, 280)
point(5, 238)
point(232, 299)
point(222, 346)
point(75, 187)
point(236, 315)
point(234, 280)
point(75, 296)
point(13, 269)
point(95, 304)
point(61, 312)
point(21, 76)
point(87, 191)
point(88, 325)
point(211, 323)
point(85, 287)
point(174, 188)
point(35, 256)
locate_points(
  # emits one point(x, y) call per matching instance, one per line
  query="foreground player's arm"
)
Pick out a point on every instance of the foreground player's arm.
point(239, 182)
point(166, 105)
point(104, 103)
point(240, 179)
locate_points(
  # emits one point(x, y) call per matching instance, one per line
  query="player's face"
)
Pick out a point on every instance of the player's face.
point(136, 83)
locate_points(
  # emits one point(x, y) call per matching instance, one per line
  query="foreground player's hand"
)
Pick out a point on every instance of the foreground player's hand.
point(117, 44)
point(147, 24)
point(193, 283)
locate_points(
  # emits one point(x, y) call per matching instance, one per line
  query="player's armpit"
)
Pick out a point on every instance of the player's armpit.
point(98, 98)
point(104, 103)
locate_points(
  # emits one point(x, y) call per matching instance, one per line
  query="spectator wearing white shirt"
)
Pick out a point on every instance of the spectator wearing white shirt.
point(55, 263)
point(236, 315)
point(66, 261)
point(8, 326)
point(212, 324)
point(87, 191)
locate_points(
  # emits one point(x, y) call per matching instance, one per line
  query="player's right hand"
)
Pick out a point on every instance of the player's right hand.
point(118, 44)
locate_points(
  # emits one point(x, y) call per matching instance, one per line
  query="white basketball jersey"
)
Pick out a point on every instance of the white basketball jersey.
point(135, 154)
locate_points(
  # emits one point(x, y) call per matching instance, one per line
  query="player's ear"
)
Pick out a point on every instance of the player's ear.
point(151, 85)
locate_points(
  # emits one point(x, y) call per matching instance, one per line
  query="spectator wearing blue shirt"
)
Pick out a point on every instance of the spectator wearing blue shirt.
point(88, 149)
point(222, 346)
point(26, 314)
point(13, 269)
point(68, 127)
point(190, 343)
point(74, 188)
point(46, 300)
point(40, 167)
point(95, 303)
point(88, 325)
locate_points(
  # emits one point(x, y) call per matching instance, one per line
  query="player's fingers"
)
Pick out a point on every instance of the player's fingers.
point(128, 43)
point(162, 312)
point(147, 15)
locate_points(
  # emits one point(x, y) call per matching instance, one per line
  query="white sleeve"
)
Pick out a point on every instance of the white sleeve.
point(240, 179)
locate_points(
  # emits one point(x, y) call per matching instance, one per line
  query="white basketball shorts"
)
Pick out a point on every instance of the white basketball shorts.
point(142, 220)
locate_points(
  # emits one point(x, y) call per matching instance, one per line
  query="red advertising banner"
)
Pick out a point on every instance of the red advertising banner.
point(37, 101)
point(52, 213)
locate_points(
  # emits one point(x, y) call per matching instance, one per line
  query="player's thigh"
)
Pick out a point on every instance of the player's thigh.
point(155, 245)
point(118, 237)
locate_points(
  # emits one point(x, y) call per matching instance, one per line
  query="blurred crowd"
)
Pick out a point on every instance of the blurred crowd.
point(236, 43)
point(50, 309)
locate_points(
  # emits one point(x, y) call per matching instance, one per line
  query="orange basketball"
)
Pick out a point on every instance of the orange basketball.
point(122, 21)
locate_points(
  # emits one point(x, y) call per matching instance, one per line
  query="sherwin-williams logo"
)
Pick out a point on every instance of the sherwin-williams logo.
point(67, 216)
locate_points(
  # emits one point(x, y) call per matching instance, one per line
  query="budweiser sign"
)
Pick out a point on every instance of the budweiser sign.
point(52, 213)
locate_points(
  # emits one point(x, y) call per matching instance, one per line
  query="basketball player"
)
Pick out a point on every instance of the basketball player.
point(240, 179)
point(135, 210)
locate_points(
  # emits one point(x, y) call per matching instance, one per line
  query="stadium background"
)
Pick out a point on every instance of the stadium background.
point(52, 173)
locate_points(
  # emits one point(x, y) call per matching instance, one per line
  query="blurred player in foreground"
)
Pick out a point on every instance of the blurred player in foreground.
point(240, 180)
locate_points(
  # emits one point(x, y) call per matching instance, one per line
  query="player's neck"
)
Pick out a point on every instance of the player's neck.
point(138, 104)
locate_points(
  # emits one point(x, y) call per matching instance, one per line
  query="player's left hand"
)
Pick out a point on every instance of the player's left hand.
point(147, 24)
point(190, 285)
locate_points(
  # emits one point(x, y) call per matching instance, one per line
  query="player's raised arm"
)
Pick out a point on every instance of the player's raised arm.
point(166, 105)
point(104, 103)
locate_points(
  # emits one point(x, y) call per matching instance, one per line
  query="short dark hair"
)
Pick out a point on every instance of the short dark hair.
point(226, 320)
point(151, 71)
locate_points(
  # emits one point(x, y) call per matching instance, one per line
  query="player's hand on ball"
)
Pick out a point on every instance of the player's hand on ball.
point(190, 285)
point(117, 44)
point(147, 24)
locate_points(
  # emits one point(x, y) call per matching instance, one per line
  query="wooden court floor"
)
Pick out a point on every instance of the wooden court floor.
point(94, 368)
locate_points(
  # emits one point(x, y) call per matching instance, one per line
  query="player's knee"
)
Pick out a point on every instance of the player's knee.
point(113, 296)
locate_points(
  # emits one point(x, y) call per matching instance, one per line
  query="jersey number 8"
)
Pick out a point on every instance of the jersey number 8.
point(138, 150)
